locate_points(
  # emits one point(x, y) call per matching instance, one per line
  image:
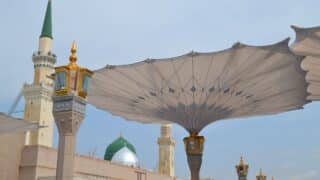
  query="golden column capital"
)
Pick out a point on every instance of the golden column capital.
point(194, 144)
point(242, 168)
point(261, 175)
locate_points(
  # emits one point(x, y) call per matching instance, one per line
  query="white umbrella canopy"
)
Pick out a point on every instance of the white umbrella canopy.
point(307, 43)
point(10, 124)
point(196, 89)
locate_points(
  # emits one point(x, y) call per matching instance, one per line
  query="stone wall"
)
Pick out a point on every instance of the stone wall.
point(10, 155)
point(39, 162)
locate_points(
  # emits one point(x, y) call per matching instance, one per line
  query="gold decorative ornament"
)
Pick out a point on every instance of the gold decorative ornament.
point(242, 168)
point(261, 176)
point(261, 173)
point(194, 144)
point(73, 58)
point(72, 79)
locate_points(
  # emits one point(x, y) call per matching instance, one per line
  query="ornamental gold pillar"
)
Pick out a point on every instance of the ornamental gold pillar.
point(242, 169)
point(261, 176)
point(194, 149)
point(69, 103)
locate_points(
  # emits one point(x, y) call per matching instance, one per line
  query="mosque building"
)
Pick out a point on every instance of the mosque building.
point(32, 156)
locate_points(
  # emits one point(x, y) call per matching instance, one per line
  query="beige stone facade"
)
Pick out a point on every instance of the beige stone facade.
point(39, 163)
point(38, 108)
point(10, 155)
point(20, 162)
point(166, 151)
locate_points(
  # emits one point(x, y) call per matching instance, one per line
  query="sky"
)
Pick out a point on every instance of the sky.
point(125, 31)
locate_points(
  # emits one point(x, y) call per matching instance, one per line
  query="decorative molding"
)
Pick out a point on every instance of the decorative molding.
point(37, 91)
point(68, 112)
point(44, 60)
point(69, 103)
point(167, 141)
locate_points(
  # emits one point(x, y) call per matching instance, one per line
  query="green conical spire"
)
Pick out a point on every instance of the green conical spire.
point(47, 23)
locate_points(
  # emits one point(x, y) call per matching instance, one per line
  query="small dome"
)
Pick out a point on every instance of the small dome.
point(116, 146)
point(126, 157)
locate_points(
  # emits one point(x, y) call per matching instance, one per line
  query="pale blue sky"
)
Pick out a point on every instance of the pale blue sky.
point(125, 31)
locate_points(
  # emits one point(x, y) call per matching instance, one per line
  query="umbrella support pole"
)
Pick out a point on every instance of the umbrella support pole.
point(194, 150)
point(194, 162)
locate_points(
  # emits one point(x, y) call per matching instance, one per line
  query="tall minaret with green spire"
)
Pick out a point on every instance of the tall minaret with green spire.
point(45, 41)
point(38, 103)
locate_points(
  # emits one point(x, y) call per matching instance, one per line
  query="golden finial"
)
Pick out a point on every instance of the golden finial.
point(261, 172)
point(241, 161)
point(73, 57)
point(242, 168)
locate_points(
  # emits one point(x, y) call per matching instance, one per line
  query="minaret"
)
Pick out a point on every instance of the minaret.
point(166, 151)
point(261, 176)
point(38, 103)
point(242, 170)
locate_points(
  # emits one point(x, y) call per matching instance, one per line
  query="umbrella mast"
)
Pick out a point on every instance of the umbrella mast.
point(194, 150)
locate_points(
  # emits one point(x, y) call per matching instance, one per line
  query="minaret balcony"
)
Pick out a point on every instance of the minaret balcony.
point(44, 60)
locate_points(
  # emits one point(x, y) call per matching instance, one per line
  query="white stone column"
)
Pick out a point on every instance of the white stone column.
point(69, 113)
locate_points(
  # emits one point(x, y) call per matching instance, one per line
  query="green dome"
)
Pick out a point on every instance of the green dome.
point(115, 146)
